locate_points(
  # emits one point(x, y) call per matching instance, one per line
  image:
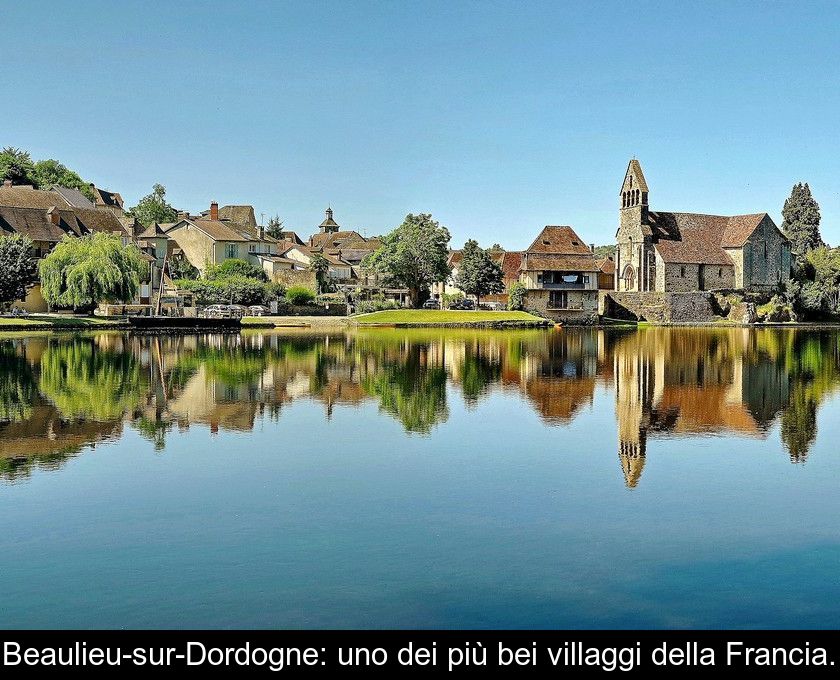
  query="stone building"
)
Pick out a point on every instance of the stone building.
point(685, 252)
point(560, 273)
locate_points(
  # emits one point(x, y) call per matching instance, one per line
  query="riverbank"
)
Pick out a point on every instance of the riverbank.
point(60, 322)
point(419, 318)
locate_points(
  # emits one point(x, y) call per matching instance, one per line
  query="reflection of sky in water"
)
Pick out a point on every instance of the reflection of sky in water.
point(538, 479)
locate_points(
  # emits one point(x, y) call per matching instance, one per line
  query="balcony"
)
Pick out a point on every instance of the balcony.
point(562, 286)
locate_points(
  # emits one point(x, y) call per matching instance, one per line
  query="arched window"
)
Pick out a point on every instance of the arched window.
point(629, 277)
point(682, 272)
point(720, 273)
point(637, 197)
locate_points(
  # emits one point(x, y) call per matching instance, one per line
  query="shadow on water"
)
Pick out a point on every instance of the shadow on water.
point(60, 394)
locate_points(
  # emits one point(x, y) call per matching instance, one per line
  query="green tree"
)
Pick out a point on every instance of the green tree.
point(604, 251)
point(478, 273)
point(50, 171)
point(235, 267)
point(154, 208)
point(81, 272)
point(16, 165)
point(275, 227)
point(801, 222)
point(516, 296)
point(413, 256)
point(321, 268)
point(18, 270)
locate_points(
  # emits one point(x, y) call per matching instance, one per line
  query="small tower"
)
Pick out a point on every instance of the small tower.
point(634, 189)
point(329, 225)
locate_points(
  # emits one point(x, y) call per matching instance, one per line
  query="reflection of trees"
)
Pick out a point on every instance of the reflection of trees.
point(408, 387)
point(479, 371)
point(84, 381)
point(17, 385)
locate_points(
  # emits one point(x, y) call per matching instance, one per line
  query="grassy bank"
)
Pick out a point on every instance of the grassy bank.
point(433, 317)
point(58, 322)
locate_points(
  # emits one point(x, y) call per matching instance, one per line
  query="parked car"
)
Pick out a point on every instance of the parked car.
point(465, 304)
point(431, 304)
point(237, 311)
point(216, 311)
point(257, 310)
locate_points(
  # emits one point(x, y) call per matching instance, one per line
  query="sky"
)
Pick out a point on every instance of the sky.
point(495, 117)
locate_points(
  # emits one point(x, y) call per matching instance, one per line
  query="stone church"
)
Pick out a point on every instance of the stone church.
point(672, 252)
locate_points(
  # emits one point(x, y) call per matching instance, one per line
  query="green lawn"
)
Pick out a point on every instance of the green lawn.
point(435, 316)
point(49, 321)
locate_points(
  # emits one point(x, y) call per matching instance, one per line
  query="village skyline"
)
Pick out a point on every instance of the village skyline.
point(407, 110)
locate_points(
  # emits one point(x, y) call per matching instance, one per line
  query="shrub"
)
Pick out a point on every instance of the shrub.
point(775, 311)
point(300, 295)
point(235, 267)
point(449, 298)
point(516, 296)
point(374, 305)
point(239, 290)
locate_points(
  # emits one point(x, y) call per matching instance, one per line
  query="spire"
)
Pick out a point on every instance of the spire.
point(634, 189)
point(329, 225)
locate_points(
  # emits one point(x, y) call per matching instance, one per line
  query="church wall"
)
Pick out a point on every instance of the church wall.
point(737, 255)
point(768, 261)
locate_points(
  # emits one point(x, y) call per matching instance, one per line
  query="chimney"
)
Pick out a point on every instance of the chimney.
point(183, 215)
point(214, 211)
point(52, 213)
point(262, 233)
point(592, 248)
point(7, 183)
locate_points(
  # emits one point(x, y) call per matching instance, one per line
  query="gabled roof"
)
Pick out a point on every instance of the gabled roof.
point(693, 238)
point(154, 230)
point(241, 214)
point(558, 263)
point(606, 265)
point(38, 225)
point(634, 168)
point(559, 240)
point(511, 261)
point(73, 197)
point(20, 196)
point(332, 239)
point(107, 198)
point(216, 230)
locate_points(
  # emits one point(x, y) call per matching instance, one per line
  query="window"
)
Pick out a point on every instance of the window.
point(682, 272)
point(232, 250)
point(252, 248)
point(558, 299)
point(720, 273)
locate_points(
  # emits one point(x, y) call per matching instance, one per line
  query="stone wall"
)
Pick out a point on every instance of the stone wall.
point(582, 306)
point(659, 307)
point(766, 258)
point(296, 277)
point(690, 278)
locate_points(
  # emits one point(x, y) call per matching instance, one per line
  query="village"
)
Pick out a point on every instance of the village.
point(223, 264)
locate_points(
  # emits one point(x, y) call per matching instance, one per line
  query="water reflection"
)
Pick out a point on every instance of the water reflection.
point(60, 394)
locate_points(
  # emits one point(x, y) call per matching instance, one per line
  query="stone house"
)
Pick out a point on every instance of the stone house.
point(671, 252)
point(210, 240)
point(560, 273)
point(110, 200)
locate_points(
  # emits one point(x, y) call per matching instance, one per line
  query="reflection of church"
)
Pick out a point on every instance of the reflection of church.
point(694, 382)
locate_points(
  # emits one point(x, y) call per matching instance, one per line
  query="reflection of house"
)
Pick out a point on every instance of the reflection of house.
point(561, 276)
point(211, 240)
point(684, 252)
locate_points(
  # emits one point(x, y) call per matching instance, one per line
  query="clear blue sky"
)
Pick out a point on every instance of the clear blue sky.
point(496, 117)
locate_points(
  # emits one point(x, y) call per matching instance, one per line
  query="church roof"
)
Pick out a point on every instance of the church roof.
point(692, 238)
point(635, 168)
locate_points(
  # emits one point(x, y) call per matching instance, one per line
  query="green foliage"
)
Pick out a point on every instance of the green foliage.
point(181, 268)
point(516, 296)
point(235, 267)
point(321, 268)
point(18, 270)
point(300, 295)
point(377, 303)
point(81, 272)
point(154, 208)
point(50, 171)
point(777, 310)
point(275, 227)
point(449, 299)
point(478, 273)
point(604, 251)
point(16, 165)
point(236, 289)
point(413, 256)
point(17, 385)
point(801, 223)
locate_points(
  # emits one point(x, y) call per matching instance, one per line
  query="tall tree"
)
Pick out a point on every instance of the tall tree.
point(801, 223)
point(17, 264)
point(154, 208)
point(413, 256)
point(321, 268)
point(16, 165)
point(275, 227)
point(81, 272)
point(478, 273)
point(51, 171)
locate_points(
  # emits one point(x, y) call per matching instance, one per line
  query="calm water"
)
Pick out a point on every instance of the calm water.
point(650, 478)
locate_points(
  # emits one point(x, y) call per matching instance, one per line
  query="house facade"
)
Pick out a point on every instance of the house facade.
point(560, 273)
point(208, 241)
point(687, 252)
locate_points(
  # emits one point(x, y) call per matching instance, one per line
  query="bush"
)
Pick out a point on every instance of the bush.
point(238, 290)
point(516, 296)
point(376, 305)
point(300, 295)
point(775, 311)
point(235, 267)
point(448, 299)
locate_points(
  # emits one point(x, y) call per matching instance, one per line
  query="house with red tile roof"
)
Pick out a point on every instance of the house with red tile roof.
point(687, 252)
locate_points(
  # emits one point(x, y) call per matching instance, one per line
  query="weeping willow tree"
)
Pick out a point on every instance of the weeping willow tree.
point(17, 385)
point(85, 381)
point(82, 272)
